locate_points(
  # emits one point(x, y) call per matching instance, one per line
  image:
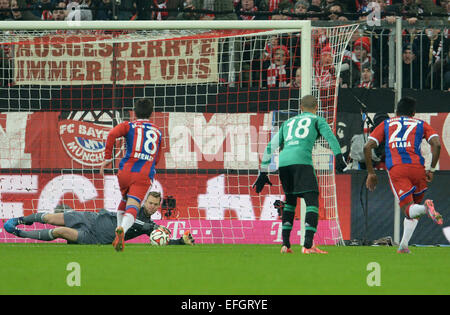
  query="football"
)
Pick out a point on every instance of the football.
point(159, 238)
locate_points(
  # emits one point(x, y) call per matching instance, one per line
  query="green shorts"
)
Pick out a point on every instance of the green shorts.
point(298, 179)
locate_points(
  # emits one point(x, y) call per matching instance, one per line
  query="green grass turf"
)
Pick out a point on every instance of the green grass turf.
point(220, 269)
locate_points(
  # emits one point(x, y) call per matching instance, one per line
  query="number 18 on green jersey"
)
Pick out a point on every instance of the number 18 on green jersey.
point(296, 138)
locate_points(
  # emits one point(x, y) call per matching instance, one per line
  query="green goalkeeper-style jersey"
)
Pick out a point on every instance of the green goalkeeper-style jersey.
point(297, 136)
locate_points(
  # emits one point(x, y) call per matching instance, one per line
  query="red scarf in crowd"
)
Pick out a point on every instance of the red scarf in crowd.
point(273, 5)
point(276, 74)
point(367, 85)
point(324, 76)
point(46, 15)
point(161, 15)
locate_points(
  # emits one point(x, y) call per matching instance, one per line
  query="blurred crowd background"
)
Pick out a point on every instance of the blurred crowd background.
point(367, 60)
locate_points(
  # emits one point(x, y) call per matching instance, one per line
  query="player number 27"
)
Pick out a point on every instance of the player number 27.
point(150, 138)
point(302, 129)
point(411, 125)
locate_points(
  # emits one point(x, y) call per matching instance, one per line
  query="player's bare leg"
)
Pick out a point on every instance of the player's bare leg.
point(66, 233)
point(44, 218)
point(54, 219)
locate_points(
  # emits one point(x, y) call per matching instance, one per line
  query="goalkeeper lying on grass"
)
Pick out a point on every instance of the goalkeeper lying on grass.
point(86, 227)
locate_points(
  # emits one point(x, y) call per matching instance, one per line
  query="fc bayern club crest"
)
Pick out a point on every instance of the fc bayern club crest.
point(83, 135)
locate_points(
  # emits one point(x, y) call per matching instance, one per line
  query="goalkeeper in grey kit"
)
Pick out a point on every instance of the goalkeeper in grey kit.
point(88, 227)
point(297, 137)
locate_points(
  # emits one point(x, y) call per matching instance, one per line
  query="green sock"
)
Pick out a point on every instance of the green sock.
point(288, 222)
point(311, 221)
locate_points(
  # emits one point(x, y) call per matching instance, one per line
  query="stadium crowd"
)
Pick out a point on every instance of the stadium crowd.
point(426, 58)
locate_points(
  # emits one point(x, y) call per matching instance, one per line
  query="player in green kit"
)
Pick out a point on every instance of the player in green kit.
point(296, 138)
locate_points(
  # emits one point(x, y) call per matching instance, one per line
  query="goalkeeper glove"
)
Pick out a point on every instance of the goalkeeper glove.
point(261, 181)
point(340, 163)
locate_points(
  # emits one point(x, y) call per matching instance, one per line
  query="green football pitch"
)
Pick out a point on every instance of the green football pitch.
point(220, 270)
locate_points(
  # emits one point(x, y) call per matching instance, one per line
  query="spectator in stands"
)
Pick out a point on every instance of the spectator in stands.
point(362, 6)
point(431, 43)
point(17, 15)
point(273, 41)
point(440, 74)
point(277, 72)
point(4, 5)
point(433, 50)
point(326, 4)
point(172, 7)
point(432, 6)
point(250, 7)
point(325, 81)
point(325, 73)
point(335, 11)
point(367, 77)
point(209, 5)
point(381, 5)
point(43, 9)
point(438, 44)
point(361, 50)
point(283, 6)
point(406, 7)
point(160, 15)
point(301, 7)
point(276, 5)
point(297, 80)
point(411, 71)
point(314, 13)
point(353, 61)
point(59, 13)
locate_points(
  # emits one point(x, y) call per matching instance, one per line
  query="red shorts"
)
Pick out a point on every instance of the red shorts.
point(408, 183)
point(134, 185)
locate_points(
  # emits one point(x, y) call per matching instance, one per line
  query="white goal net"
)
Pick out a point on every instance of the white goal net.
point(220, 91)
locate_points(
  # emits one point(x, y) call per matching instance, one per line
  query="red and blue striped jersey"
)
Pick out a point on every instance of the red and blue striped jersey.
point(402, 137)
point(143, 144)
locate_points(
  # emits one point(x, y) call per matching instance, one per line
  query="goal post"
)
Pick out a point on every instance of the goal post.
point(219, 94)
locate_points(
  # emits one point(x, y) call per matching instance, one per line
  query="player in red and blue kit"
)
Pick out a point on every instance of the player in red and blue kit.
point(402, 136)
point(137, 167)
